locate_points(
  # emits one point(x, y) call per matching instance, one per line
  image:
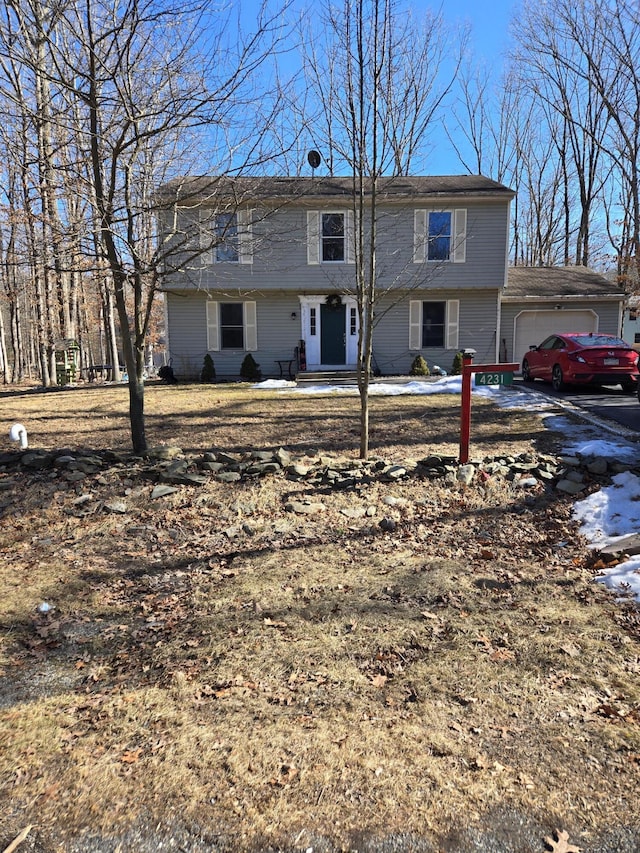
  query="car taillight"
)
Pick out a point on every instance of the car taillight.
point(575, 357)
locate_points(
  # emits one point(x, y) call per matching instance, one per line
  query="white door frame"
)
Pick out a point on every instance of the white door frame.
point(310, 319)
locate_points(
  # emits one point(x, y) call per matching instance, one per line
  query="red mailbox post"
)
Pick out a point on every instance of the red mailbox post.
point(468, 369)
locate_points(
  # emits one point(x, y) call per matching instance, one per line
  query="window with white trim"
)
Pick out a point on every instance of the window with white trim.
point(330, 237)
point(440, 235)
point(226, 237)
point(231, 326)
point(226, 231)
point(433, 324)
point(353, 324)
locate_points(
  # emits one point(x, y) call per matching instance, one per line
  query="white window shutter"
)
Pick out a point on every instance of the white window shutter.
point(206, 237)
point(453, 317)
point(350, 236)
point(245, 236)
point(213, 327)
point(460, 236)
point(250, 327)
point(313, 237)
point(419, 236)
point(415, 324)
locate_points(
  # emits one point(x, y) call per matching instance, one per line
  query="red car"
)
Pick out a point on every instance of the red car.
point(582, 357)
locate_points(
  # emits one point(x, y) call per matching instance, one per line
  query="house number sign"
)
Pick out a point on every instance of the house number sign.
point(504, 378)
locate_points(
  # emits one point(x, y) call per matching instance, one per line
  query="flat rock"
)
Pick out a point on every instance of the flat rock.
point(597, 466)
point(163, 491)
point(116, 507)
point(625, 545)
point(304, 507)
point(466, 473)
point(163, 452)
point(184, 479)
point(354, 512)
point(396, 472)
point(570, 487)
point(228, 476)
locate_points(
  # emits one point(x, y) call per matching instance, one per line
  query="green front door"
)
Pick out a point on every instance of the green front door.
point(332, 335)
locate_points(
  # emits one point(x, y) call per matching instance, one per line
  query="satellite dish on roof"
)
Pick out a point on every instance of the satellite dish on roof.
point(313, 159)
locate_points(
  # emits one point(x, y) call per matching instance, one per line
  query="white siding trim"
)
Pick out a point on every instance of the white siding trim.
point(453, 323)
point(415, 325)
point(250, 327)
point(459, 251)
point(213, 327)
point(419, 236)
point(313, 237)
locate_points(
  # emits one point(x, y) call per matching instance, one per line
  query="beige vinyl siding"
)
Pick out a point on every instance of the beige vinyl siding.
point(281, 260)
point(278, 333)
point(190, 319)
point(477, 321)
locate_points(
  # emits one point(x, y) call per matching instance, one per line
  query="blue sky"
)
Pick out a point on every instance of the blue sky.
point(489, 23)
point(489, 43)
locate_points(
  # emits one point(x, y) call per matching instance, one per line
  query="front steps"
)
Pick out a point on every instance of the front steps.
point(327, 377)
point(350, 378)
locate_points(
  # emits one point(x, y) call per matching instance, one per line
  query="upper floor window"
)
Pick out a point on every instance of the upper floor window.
point(226, 236)
point(440, 235)
point(226, 230)
point(333, 236)
point(330, 237)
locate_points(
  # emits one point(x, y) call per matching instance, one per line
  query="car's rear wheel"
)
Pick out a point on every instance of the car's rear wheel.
point(629, 386)
point(557, 379)
point(526, 373)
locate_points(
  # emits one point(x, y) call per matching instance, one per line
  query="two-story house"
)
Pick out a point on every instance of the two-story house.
point(263, 264)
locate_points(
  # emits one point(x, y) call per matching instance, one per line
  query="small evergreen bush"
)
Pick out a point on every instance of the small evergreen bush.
point(208, 372)
point(456, 367)
point(250, 370)
point(419, 367)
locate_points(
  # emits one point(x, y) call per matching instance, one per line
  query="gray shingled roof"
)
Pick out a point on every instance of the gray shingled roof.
point(557, 282)
point(204, 188)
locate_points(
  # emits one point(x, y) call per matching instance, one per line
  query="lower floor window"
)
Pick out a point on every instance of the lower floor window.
point(231, 325)
point(433, 323)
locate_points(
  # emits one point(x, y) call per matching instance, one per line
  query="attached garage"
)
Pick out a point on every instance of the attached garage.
point(532, 326)
point(538, 301)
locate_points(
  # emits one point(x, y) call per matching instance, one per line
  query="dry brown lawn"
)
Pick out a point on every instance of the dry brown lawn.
point(271, 678)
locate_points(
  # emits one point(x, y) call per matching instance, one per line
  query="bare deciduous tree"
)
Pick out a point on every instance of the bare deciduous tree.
point(122, 98)
point(380, 83)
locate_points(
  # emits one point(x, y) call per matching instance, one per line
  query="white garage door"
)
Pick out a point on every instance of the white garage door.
point(532, 327)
